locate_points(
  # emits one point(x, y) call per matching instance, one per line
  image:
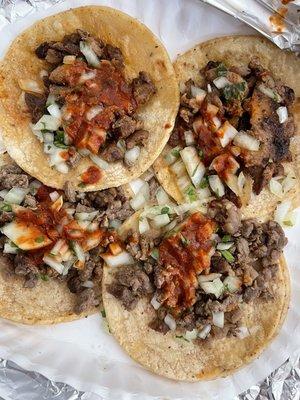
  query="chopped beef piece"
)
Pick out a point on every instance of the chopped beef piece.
point(74, 160)
point(219, 264)
point(86, 300)
point(36, 105)
point(187, 321)
point(113, 53)
point(65, 47)
point(158, 325)
point(70, 192)
point(42, 49)
point(54, 57)
point(143, 88)
point(75, 284)
point(127, 298)
point(137, 138)
point(74, 37)
point(24, 264)
point(30, 201)
point(10, 179)
point(242, 70)
point(225, 214)
point(247, 227)
point(81, 208)
point(87, 272)
point(125, 126)
point(250, 294)
point(234, 316)
point(140, 246)
point(112, 153)
point(31, 281)
point(6, 217)
point(242, 250)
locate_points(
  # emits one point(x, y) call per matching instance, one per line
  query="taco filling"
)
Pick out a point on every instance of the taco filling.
point(87, 106)
point(198, 274)
point(232, 133)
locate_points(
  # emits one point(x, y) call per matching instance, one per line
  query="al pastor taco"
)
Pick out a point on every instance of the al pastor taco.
point(237, 130)
point(200, 293)
point(87, 96)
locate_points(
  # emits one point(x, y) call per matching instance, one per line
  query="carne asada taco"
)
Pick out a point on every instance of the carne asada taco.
point(198, 296)
point(237, 130)
point(87, 96)
point(51, 240)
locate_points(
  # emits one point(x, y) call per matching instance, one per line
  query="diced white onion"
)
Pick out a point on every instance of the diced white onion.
point(203, 193)
point(226, 133)
point(138, 201)
point(47, 122)
point(232, 283)
point(282, 114)
point(56, 248)
point(50, 261)
point(143, 225)
point(170, 321)
point(161, 220)
point(10, 248)
point(48, 137)
point(209, 88)
point(86, 216)
point(93, 112)
point(162, 197)
point(241, 181)
point(54, 110)
point(246, 141)
point(189, 138)
point(185, 207)
point(3, 193)
point(288, 183)
point(221, 82)
point(89, 54)
point(224, 246)
point(155, 303)
point(54, 195)
point(242, 332)
point(191, 335)
point(193, 164)
point(29, 85)
point(69, 59)
point(15, 195)
point(281, 212)
point(270, 93)
point(198, 93)
point(215, 287)
point(78, 251)
point(275, 187)
point(99, 161)
point(93, 226)
point(217, 123)
point(50, 100)
point(172, 155)
point(216, 185)
point(136, 185)
point(132, 155)
point(218, 319)
point(204, 332)
point(123, 258)
point(209, 277)
point(62, 168)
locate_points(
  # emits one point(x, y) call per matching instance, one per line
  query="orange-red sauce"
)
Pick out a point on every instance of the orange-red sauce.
point(185, 255)
point(277, 19)
point(91, 175)
point(224, 165)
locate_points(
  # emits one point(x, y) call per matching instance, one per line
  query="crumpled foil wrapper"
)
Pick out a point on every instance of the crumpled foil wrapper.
point(278, 20)
point(284, 383)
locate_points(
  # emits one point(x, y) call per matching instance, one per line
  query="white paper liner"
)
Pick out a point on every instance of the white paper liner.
point(81, 353)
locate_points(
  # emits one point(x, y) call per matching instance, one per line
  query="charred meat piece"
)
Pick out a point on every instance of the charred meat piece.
point(226, 215)
point(137, 138)
point(125, 126)
point(36, 105)
point(112, 153)
point(13, 176)
point(143, 88)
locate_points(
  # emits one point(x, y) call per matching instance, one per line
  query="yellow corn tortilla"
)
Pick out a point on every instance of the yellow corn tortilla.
point(142, 52)
point(238, 50)
point(177, 359)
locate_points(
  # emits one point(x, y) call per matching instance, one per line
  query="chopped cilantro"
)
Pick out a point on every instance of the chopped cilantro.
point(184, 240)
point(155, 254)
point(221, 70)
point(226, 238)
point(165, 210)
point(181, 337)
point(175, 152)
point(191, 193)
point(40, 239)
point(82, 185)
point(59, 140)
point(227, 255)
point(204, 183)
point(288, 223)
point(103, 313)
point(234, 91)
point(6, 207)
point(44, 277)
point(201, 154)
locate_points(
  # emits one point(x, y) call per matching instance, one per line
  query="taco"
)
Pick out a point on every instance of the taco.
point(237, 130)
point(87, 96)
point(198, 294)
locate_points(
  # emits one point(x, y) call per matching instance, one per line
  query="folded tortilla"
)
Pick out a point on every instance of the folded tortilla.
point(142, 52)
point(177, 359)
point(237, 50)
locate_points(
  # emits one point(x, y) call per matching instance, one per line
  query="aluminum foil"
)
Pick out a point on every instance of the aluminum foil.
point(284, 383)
point(278, 21)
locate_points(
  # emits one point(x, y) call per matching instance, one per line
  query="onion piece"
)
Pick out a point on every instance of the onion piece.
point(283, 114)
point(216, 185)
point(242, 332)
point(56, 248)
point(50, 100)
point(131, 156)
point(162, 196)
point(209, 88)
point(232, 284)
point(173, 155)
point(136, 185)
point(3, 193)
point(55, 111)
point(185, 207)
point(215, 287)
point(62, 168)
point(89, 54)
point(221, 82)
point(275, 187)
point(281, 212)
point(155, 303)
point(15, 195)
point(123, 258)
point(78, 251)
point(138, 201)
point(161, 220)
point(191, 335)
point(288, 183)
point(51, 262)
point(10, 248)
point(170, 321)
point(189, 138)
point(93, 112)
point(47, 122)
point(246, 141)
point(143, 225)
point(209, 277)
point(226, 133)
point(29, 85)
point(198, 93)
point(224, 246)
point(204, 332)
point(270, 93)
point(54, 196)
point(218, 319)
point(99, 161)
point(193, 164)
point(86, 216)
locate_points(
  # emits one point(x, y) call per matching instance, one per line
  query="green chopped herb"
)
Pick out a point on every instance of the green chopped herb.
point(103, 313)
point(191, 193)
point(155, 254)
point(45, 130)
point(184, 240)
point(12, 244)
point(165, 210)
point(44, 277)
point(59, 140)
point(234, 91)
point(6, 207)
point(227, 255)
point(221, 70)
point(226, 238)
point(175, 152)
point(204, 183)
point(181, 337)
point(82, 185)
point(288, 223)
point(201, 154)
point(40, 239)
